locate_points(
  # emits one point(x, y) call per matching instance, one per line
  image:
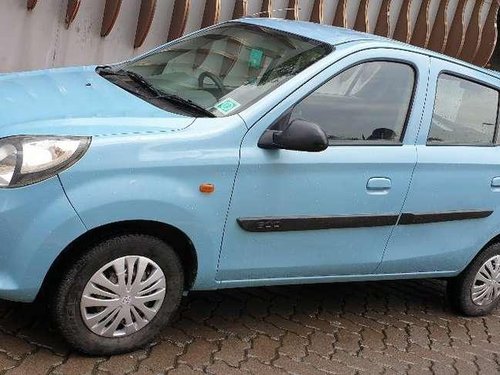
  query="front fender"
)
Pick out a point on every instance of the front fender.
point(140, 201)
point(157, 178)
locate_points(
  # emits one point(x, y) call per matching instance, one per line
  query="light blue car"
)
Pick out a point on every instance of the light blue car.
point(255, 152)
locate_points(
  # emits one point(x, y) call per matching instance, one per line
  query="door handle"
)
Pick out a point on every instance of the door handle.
point(379, 184)
point(495, 182)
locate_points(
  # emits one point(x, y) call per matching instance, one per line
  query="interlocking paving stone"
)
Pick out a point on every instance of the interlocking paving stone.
point(39, 363)
point(396, 327)
point(6, 363)
point(78, 364)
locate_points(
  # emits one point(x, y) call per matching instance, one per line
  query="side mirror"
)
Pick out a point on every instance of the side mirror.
point(300, 135)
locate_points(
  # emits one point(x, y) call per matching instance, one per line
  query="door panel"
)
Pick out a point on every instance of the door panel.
point(299, 214)
point(455, 185)
point(295, 185)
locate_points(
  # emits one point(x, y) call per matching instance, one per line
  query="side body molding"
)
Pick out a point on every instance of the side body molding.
point(301, 223)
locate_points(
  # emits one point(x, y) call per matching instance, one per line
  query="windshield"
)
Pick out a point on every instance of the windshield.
point(223, 70)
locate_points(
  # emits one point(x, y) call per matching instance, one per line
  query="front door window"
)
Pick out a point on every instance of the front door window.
point(367, 103)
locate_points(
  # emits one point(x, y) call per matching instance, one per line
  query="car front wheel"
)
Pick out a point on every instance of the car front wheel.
point(119, 294)
point(476, 291)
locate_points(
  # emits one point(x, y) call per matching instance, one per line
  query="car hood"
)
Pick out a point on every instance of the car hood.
point(76, 101)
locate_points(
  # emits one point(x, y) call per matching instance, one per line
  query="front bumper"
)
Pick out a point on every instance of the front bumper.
point(37, 222)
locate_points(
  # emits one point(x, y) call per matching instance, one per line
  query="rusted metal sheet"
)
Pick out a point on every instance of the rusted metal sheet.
point(383, 26)
point(421, 31)
point(240, 9)
point(31, 4)
point(317, 12)
point(437, 38)
point(455, 40)
point(489, 36)
point(292, 12)
point(402, 31)
point(211, 13)
point(179, 19)
point(266, 9)
point(340, 18)
point(473, 34)
point(71, 11)
point(111, 11)
point(361, 23)
point(146, 15)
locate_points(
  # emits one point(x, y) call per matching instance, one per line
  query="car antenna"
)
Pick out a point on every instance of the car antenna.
point(269, 12)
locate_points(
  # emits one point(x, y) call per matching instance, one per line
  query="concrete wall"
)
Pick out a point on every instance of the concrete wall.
point(39, 38)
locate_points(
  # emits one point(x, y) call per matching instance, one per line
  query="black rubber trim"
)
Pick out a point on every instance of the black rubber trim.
point(302, 223)
point(285, 224)
point(408, 218)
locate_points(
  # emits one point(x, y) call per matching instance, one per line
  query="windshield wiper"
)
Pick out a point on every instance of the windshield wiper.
point(158, 94)
point(137, 78)
point(185, 102)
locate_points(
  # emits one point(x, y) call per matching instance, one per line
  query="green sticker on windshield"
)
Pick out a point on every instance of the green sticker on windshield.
point(227, 105)
point(255, 58)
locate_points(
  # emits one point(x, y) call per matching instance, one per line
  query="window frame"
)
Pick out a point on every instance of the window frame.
point(496, 137)
point(332, 143)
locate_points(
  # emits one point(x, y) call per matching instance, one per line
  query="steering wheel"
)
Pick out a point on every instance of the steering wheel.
point(215, 79)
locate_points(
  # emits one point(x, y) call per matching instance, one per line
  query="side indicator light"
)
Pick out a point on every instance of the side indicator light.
point(207, 188)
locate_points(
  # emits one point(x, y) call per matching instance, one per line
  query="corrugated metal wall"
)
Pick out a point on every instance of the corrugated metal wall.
point(68, 32)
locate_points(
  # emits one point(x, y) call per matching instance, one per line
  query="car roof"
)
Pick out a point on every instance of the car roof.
point(338, 35)
point(324, 33)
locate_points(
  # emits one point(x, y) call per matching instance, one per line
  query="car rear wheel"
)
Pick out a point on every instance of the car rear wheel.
point(119, 294)
point(476, 291)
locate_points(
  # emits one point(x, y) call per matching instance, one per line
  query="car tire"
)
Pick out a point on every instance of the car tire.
point(143, 309)
point(476, 291)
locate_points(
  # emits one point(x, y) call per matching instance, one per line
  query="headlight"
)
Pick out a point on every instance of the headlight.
point(25, 160)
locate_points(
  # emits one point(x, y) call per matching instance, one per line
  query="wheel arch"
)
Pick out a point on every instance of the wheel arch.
point(493, 240)
point(481, 248)
point(172, 235)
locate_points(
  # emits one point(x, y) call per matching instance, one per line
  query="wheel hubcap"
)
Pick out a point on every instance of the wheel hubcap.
point(486, 286)
point(123, 296)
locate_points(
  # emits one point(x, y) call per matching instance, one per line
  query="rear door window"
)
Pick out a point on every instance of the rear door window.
point(465, 113)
